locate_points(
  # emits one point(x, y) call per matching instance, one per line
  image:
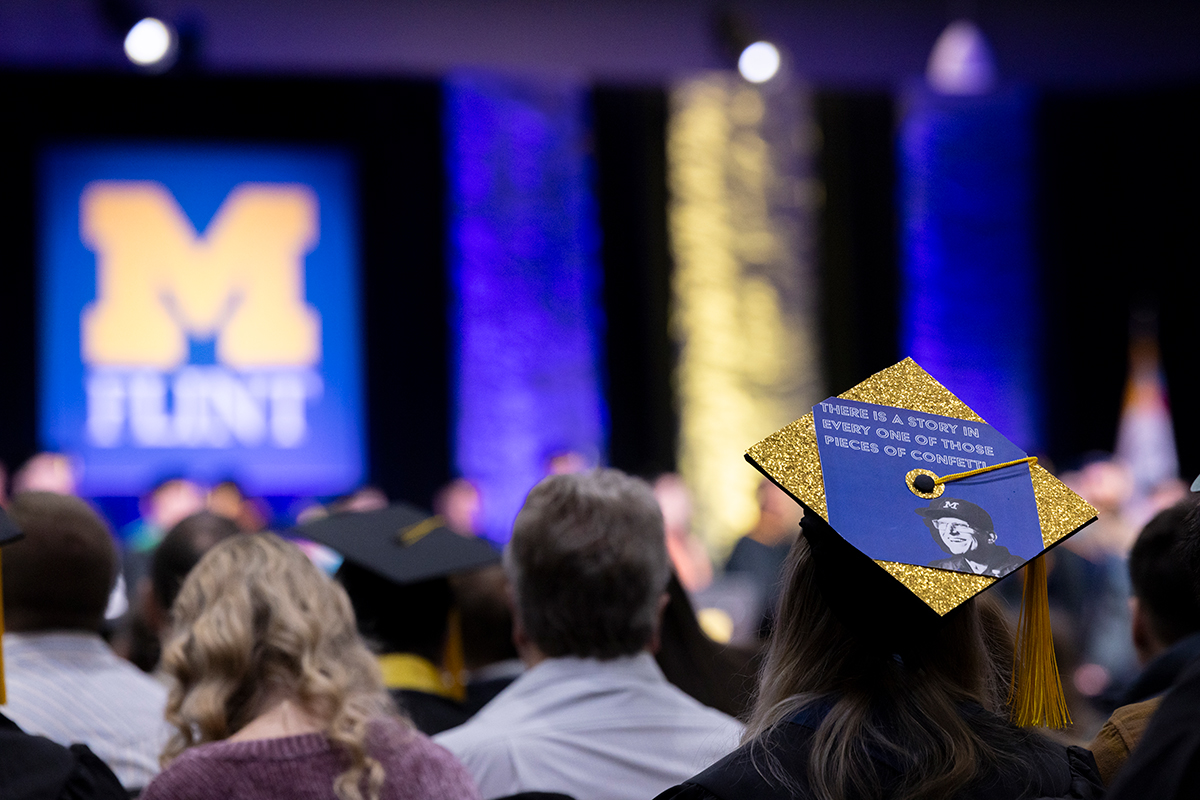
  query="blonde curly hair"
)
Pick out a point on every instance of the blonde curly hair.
point(255, 619)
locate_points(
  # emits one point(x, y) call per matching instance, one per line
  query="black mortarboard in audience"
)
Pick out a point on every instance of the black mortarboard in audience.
point(395, 569)
point(401, 543)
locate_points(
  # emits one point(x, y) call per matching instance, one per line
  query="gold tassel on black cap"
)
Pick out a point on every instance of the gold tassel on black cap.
point(1035, 695)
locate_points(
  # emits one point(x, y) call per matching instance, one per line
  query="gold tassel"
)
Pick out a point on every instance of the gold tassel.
point(454, 661)
point(1035, 695)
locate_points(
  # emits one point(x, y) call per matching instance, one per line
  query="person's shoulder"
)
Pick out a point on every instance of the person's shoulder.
point(742, 774)
point(688, 791)
point(954, 562)
point(1120, 733)
point(218, 769)
point(1130, 721)
point(417, 767)
point(1038, 767)
point(127, 672)
point(196, 774)
point(129, 691)
point(431, 713)
point(508, 713)
point(140, 690)
point(33, 766)
point(474, 737)
point(1057, 771)
point(1166, 761)
point(90, 778)
point(692, 711)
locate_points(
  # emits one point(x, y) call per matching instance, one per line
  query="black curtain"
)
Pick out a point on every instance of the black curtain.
point(858, 262)
point(1119, 211)
point(857, 267)
point(629, 125)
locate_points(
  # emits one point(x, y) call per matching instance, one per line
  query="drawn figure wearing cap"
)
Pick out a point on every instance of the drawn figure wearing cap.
point(965, 531)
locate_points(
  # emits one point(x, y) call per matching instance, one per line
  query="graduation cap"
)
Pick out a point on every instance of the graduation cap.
point(915, 505)
point(393, 558)
point(9, 533)
point(401, 543)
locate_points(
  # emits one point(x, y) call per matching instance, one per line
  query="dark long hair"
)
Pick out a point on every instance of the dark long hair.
point(904, 703)
point(719, 676)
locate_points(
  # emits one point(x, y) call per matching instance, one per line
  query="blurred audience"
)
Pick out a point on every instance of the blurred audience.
point(760, 554)
point(459, 503)
point(161, 508)
point(718, 675)
point(593, 715)
point(275, 695)
point(396, 565)
point(35, 768)
point(1165, 762)
point(170, 563)
point(567, 462)
point(1165, 609)
point(687, 553)
point(228, 500)
point(1107, 484)
point(583, 659)
point(365, 498)
point(1089, 580)
point(408, 625)
point(489, 654)
point(47, 472)
point(64, 681)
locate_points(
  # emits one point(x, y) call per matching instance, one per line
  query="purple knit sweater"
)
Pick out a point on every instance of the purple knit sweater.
point(304, 768)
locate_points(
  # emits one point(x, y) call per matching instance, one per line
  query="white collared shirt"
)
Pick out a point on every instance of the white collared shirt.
point(591, 729)
point(71, 687)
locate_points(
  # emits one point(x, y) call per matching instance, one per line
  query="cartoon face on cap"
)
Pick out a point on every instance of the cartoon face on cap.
point(956, 534)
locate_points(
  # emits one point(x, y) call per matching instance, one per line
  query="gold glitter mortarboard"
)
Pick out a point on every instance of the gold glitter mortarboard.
point(899, 466)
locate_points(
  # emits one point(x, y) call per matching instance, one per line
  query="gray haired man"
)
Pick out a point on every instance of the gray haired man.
point(593, 716)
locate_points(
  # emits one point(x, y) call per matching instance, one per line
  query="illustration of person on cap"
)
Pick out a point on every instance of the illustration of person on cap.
point(965, 531)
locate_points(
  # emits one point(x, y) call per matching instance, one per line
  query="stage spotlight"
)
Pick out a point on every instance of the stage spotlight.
point(759, 62)
point(151, 44)
point(961, 62)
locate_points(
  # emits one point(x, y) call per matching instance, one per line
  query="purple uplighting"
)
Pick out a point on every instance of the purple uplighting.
point(525, 279)
point(970, 312)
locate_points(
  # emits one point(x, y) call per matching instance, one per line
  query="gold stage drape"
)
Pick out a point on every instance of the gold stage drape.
point(743, 310)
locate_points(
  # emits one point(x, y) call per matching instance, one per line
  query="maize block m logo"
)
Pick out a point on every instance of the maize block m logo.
point(159, 284)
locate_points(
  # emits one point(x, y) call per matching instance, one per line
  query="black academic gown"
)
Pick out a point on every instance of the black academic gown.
point(35, 768)
point(1045, 771)
point(431, 713)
